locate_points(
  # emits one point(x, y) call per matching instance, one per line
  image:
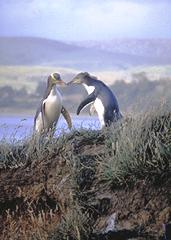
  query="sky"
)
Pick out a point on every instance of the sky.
point(80, 20)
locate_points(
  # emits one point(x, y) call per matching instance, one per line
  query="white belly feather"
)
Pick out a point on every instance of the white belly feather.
point(53, 106)
point(100, 111)
point(97, 104)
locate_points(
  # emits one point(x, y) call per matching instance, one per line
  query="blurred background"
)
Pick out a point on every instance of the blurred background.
point(125, 43)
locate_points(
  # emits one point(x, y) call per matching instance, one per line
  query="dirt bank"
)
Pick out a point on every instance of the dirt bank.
point(56, 191)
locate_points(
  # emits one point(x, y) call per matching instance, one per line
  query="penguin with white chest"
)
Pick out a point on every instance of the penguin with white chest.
point(51, 107)
point(103, 99)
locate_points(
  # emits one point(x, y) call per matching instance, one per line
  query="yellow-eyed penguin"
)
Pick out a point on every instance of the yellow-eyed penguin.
point(51, 107)
point(103, 99)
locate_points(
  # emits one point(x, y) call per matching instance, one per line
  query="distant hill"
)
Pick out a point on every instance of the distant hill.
point(82, 56)
point(157, 49)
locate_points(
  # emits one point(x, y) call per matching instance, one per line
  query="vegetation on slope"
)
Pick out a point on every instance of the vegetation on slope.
point(67, 187)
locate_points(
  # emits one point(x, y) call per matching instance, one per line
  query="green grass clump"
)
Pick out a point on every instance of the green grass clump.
point(138, 148)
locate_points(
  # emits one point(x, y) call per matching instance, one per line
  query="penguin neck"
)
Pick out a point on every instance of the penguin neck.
point(89, 89)
point(52, 90)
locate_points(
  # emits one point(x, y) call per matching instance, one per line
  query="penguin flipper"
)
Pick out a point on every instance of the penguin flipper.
point(67, 117)
point(43, 114)
point(86, 101)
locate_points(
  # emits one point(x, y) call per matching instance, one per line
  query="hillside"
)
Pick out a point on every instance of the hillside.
point(160, 49)
point(89, 185)
point(38, 51)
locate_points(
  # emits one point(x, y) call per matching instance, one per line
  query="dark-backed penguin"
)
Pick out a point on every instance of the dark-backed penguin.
point(51, 107)
point(103, 99)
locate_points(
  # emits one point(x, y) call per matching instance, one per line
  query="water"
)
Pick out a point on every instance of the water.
point(14, 128)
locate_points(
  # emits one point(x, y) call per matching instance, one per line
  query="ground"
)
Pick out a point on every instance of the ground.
point(69, 187)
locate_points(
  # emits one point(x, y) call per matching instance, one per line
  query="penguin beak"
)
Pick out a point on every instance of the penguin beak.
point(74, 81)
point(61, 82)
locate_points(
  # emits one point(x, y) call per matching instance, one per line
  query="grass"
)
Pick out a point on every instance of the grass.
point(141, 150)
point(132, 148)
point(135, 149)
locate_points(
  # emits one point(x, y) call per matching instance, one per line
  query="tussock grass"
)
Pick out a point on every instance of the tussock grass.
point(30, 226)
point(75, 225)
point(139, 148)
point(134, 149)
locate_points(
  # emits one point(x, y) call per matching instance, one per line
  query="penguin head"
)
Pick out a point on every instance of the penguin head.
point(55, 78)
point(82, 78)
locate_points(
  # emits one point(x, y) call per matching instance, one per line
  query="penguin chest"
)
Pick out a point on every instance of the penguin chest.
point(100, 110)
point(98, 105)
point(53, 106)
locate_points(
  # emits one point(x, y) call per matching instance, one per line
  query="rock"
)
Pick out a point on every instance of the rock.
point(111, 223)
